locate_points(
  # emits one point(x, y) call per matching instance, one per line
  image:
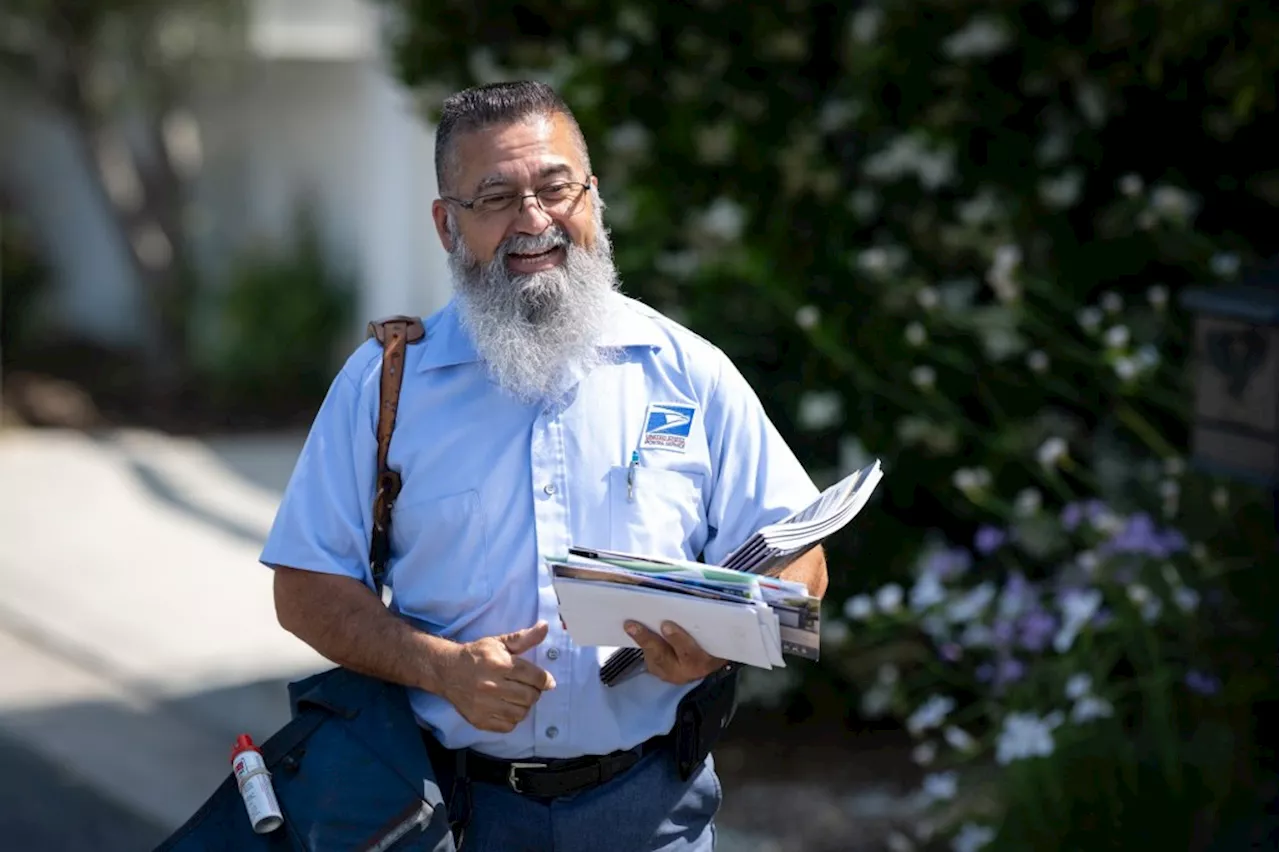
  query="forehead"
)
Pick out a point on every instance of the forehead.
point(530, 149)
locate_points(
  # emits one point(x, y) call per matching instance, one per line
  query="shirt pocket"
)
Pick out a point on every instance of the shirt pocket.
point(440, 570)
point(657, 513)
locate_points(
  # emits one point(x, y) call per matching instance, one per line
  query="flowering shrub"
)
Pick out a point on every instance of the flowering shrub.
point(952, 236)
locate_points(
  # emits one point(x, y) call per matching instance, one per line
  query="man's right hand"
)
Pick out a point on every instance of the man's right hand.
point(490, 685)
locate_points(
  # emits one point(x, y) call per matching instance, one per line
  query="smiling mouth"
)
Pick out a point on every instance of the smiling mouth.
point(537, 255)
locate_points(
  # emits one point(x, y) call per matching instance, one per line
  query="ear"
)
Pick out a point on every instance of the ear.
point(440, 214)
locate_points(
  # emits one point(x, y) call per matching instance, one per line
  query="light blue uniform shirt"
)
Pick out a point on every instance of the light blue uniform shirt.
point(491, 485)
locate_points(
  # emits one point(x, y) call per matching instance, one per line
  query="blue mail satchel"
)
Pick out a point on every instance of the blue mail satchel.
point(349, 769)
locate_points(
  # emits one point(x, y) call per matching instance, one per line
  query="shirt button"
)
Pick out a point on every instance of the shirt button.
point(552, 732)
point(549, 489)
point(553, 654)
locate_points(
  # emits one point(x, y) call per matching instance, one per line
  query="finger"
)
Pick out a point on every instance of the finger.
point(686, 648)
point(519, 694)
point(523, 671)
point(522, 640)
point(657, 653)
point(498, 723)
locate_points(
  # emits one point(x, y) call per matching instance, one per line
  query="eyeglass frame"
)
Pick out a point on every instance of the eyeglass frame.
point(469, 205)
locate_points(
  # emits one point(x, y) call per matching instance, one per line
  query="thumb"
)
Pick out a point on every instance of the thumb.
point(522, 640)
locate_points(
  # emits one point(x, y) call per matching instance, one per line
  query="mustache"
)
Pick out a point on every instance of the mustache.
point(553, 237)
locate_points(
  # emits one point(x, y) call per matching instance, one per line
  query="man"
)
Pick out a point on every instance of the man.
point(543, 409)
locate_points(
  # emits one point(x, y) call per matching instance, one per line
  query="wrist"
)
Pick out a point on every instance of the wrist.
point(435, 657)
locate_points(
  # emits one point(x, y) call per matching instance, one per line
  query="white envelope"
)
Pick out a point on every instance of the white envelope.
point(594, 614)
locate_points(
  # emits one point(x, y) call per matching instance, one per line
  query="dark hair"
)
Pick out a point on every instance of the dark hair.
point(492, 105)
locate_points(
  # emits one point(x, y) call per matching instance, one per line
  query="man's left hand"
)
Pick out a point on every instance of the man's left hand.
point(675, 656)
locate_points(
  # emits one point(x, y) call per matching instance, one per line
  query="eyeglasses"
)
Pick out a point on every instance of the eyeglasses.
point(560, 197)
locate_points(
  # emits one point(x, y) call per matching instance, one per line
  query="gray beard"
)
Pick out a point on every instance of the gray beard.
point(537, 334)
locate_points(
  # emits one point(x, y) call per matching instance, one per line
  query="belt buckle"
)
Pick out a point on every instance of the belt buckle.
point(517, 765)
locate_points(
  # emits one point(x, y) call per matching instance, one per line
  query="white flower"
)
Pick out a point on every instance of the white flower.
point(858, 608)
point(1090, 707)
point(972, 837)
point(1061, 192)
point(1117, 337)
point(1111, 302)
point(629, 138)
point(1078, 686)
point(881, 260)
point(1139, 594)
point(958, 738)
point(1131, 185)
point(1225, 264)
point(1187, 600)
point(931, 714)
point(1023, 735)
point(819, 410)
point(876, 701)
point(924, 753)
point(985, 35)
point(923, 376)
point(972, 604)
point(1088, 561)
point(1078, 607)
point(864, 25)
point(927, 592)
point(1000, 275)
point(1220, 498)
point(1147, 356)
point(887, 674)
point(1172, 203)
point(1051, 452)
point(941, 786)
point(889, 598)
point(1027, 503)
point(915, 334)
point(899, 842)
point(971, 479)
point(1126, 368)
point(834, 631)
point(1037, 361)
point(977, 635)
point(807, 316)
point(1090, 318)
point(927, 298)
point(1174, 466)
point(724, 219)
point(1158, 296)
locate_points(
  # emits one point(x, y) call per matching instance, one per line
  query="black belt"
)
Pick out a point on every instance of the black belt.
point(549, 778)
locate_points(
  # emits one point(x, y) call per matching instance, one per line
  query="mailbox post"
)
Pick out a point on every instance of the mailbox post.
point(1234, 427)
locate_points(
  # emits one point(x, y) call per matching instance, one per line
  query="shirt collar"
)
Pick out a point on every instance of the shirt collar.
point(448, 343)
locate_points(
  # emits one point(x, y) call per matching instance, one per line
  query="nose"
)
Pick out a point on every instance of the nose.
point(531, 218)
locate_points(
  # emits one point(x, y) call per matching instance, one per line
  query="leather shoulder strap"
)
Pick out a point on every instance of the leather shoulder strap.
point(394, 333)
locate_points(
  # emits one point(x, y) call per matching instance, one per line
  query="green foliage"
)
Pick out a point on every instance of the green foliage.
point(281, 324)
point(950, 235)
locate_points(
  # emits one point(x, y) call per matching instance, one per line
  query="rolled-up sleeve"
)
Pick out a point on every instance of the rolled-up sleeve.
point(757, 478)
point(325, 516)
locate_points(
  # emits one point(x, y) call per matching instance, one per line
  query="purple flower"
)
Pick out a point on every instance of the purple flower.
point(1009, 670)
point(1141, 536)
point(951, 652)
point(1074, 513)
point(988, 539)
point(1036, 629)
point(1201, 683)
point(1003, 631)
point(985, 673)
point(947, 563)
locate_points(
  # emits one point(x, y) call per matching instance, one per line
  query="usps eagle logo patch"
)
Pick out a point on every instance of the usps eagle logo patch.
point(667, 426)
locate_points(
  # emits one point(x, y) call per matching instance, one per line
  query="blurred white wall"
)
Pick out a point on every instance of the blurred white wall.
point(312, 115)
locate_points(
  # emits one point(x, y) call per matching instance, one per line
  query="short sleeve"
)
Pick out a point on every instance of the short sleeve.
point(325, 516)
point(757, 478)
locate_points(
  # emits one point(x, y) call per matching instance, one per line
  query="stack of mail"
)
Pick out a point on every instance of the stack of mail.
point(790, 626)
point(731, 614)
point(776, 546)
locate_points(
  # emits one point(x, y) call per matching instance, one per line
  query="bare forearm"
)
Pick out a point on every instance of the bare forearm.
point(810, 569)
point(343, 621)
